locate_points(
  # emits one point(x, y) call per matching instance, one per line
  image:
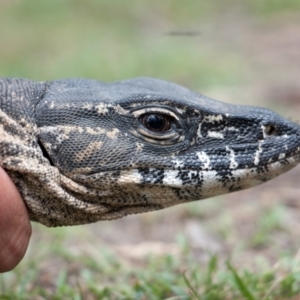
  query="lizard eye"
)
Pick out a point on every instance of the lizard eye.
point(156, 122)
point(157, 125)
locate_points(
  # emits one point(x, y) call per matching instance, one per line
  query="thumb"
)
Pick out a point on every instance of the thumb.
point(15, 228)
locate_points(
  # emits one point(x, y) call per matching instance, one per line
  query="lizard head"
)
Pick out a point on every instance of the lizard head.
point(145, 144)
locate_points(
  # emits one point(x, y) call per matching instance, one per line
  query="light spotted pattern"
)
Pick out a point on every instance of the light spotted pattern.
point(79, 150)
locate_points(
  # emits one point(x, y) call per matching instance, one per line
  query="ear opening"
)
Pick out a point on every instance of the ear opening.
point(45, 153)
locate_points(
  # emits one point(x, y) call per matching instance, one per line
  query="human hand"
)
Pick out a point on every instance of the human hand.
point(15, 228)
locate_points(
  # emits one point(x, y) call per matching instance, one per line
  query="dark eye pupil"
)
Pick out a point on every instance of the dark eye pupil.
point(156, 122)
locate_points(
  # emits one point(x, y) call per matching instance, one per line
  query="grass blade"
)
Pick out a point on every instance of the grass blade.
point(192, 290)
point(241, 285)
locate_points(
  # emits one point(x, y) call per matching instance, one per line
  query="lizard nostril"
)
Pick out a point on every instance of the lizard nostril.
point(269, 130)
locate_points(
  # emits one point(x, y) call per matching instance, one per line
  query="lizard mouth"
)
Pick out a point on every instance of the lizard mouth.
point(211, 181)
point(200, 163)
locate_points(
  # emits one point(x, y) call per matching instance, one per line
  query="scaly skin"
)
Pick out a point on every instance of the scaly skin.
point(80, 151)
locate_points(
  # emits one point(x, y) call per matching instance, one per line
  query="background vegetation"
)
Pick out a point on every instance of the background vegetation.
point(240, 246)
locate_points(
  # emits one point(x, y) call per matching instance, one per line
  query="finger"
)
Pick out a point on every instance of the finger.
point(15, 228)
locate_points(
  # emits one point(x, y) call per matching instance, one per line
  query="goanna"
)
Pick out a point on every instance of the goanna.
point(80, 150)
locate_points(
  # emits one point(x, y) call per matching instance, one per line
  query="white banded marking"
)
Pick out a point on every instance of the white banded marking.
point(204, 158)
point(233, 162)
point(215, 134)
point(257, 153)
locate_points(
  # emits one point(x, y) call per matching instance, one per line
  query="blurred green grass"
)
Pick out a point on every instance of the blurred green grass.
point(109, 40)
point(163, 278)
point(46, 40)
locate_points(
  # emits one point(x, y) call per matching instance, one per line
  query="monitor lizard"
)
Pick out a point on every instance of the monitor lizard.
point(82, 150)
